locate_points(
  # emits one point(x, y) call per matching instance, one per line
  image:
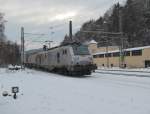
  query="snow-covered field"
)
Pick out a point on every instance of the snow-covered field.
point(100, 93)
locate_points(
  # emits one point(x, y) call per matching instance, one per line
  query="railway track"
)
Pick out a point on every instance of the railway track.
point(127, 79)
point(124, 72)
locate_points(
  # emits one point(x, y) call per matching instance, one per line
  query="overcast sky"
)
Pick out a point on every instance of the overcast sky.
point(39, 16)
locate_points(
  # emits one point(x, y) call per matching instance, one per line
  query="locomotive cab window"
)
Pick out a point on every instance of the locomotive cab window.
point(80, 50)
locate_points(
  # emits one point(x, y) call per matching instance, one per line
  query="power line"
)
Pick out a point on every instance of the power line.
point(34, 34)
point(56, 26)
point(101, 32)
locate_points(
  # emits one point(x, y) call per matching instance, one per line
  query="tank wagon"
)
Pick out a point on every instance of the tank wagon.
point(70, 59)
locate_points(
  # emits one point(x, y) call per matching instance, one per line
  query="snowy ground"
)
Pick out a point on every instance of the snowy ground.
point(100, 93)
point(126, 69)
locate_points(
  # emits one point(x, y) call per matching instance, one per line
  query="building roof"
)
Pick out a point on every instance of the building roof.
point(90, 42)
point(137, 48)
point(129, 49)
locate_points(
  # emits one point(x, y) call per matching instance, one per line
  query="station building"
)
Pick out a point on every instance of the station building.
point(138, 57)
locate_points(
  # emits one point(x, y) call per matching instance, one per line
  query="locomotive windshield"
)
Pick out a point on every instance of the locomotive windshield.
point(80, 50)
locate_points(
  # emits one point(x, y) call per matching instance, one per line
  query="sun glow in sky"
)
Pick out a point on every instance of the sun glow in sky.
point(67, 15)
point(38, 16)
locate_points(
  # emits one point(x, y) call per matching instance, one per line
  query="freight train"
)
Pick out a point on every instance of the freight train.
point(72, 59)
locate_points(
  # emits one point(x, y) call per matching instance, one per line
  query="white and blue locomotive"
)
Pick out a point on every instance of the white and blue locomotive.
point(71, 59)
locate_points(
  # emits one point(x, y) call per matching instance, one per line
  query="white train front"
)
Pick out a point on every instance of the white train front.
point(71, 59)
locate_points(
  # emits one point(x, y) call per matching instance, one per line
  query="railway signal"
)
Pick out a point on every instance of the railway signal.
point(15, 90)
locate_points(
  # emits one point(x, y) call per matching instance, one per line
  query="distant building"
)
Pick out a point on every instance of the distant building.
point(93, 46)
point(138, 57)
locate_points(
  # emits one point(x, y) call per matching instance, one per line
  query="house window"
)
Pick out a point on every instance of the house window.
point(116, 54)
point(127, 53)
point(108, 55)
point(125, 65)
point(101, 55)
point(94, 56)
point(137, 53)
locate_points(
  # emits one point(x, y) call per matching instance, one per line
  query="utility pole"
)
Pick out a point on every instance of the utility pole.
point(107, 42)
point(22, 47)
point(121, 61)
point(70, 31)
point(107, 54)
